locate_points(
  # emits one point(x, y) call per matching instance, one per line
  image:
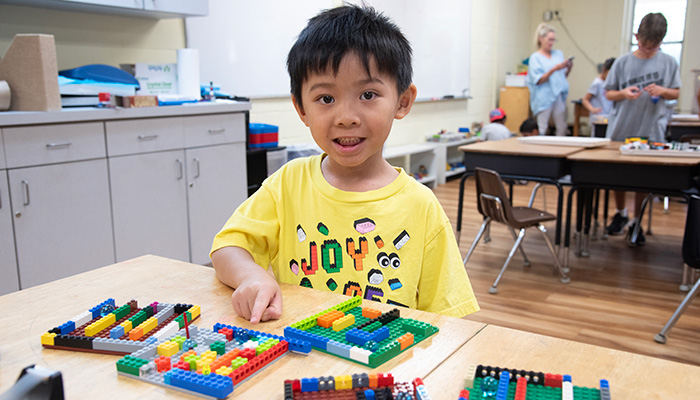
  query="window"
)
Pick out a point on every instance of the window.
point(674, 11)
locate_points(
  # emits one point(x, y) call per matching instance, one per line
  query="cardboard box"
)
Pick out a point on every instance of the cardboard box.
point(30, 69)
point(137, 101)
point(154, 78)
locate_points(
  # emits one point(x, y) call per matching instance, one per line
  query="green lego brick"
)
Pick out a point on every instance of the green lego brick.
point(122, 311)
point(130, 365)
point(218, 347)
point(536, 392)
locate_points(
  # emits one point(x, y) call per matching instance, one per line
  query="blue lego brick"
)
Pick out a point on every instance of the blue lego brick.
point(315, 340)
point(309, 384)
point(369, 394)
point(358, 336)
point(299, 346)
point(211, 385)
point(380, 334)
point(503, 383)
point(337, 348)
point(67, 328)
point(96, 310)
point(151, 340)
point(116, 332)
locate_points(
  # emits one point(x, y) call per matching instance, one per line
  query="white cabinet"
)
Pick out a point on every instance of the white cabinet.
point(149, 203)
point(448, 154)
point(147, 8)
point(61, 219)
point(216, 176)
point(8, 262)
point(175, 181)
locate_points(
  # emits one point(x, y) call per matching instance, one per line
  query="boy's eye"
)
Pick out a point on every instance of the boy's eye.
point(325, 99)
point(368, 95)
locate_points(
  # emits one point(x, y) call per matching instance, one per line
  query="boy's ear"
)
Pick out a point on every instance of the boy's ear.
point(406, 100)
point(300, 110)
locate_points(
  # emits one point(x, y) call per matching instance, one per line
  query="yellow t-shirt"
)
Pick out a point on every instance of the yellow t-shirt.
point(393, 244)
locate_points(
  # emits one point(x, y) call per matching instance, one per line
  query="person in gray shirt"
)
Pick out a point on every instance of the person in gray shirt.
point(638, 84)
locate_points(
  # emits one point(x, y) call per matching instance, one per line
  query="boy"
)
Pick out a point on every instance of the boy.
point(595, 101)
point(496, 130)
point(345, 221)
point(529, 128)
point(639, 83)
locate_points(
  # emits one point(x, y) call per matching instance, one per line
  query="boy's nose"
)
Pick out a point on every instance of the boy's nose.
point(347, 115)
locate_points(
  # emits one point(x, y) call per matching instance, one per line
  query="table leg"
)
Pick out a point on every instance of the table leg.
point(567, 229)
point(460, 204)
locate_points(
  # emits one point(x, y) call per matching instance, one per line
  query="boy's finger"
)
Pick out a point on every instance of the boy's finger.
point(259, 307)
point(274, 310)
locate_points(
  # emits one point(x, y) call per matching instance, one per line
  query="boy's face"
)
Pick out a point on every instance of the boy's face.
point(350, 114)
point(647, 48)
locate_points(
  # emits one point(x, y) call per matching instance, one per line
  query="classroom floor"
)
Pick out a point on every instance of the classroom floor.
point(619, 297)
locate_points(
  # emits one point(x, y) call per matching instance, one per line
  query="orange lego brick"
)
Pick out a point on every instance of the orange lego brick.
point(371, 313)
point(136, 333)
point(406, 340)
point(326, 320)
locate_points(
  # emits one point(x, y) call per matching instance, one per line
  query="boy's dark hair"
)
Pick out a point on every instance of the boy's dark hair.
point(606, 65)
point(528, 125)
point(334, 33)
point(652, 28)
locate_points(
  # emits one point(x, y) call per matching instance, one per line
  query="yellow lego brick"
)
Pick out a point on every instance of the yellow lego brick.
point(209, 356)
point(194, 312)
point(344, 322)
point(206, 369)
point(100, 325)
point(168, 349)
point(343, 382)
point(225, 371)
point(127, 326)
point(148, 325)
point(47, 338)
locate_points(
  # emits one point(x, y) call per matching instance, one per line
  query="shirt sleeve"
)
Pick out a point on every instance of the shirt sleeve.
point(612, 82)
point(444, 286)
point(254, 226)
point(535, 69)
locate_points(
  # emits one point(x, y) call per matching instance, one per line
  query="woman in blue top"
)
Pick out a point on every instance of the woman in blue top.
point(546, 78)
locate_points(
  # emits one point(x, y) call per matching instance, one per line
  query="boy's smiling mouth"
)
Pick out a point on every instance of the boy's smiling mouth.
point(348, 141)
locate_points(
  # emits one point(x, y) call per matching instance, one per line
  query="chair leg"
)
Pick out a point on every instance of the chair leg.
point(666, 205)
point(651, 207)
point(484, 225)
point(661, 336)
point(487, 234)
point(562, 271)
point(534, 193)
point(521, 235)
point(526, 262)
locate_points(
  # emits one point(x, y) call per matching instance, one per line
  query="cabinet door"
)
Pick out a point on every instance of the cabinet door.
point(183, 7)
point(217, 185)
point(8, 262)
point(149, 203)
point(62, 220)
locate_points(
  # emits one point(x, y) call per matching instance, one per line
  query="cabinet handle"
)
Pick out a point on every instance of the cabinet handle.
point(58, 145)
point(180, 168)
point(147, 137)
point(215, 131)
point(196, 162)
point(25, 192)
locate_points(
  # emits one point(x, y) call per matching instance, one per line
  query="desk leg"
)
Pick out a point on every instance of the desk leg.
point(567, 229)
point(460, 204)
point(560, 208)
point(588, 207)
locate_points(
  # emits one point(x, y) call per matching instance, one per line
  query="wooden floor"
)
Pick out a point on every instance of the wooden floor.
point(619, 297)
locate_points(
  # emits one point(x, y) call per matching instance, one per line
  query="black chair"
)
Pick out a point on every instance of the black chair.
point(691, 256)
point(494, 205)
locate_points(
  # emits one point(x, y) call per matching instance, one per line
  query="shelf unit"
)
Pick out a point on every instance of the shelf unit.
point(411, 157)
point(448, 152)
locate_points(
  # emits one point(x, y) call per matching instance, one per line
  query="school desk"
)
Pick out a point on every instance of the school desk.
point(607, 168)
point(515, 160)
point(441, 360)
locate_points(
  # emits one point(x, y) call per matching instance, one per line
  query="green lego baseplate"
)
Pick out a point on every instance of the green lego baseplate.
point(354, 342)
point(535, 392)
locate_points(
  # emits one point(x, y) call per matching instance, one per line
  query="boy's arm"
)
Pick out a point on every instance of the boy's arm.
point(257, 295)
point(666, 93)
point(628, 93)
point(587, 103)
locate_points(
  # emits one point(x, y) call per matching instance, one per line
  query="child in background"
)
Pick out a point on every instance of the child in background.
point(595, 100)
point(497, 129)
point(639, 83)
point(345, 221)
point(529, 128)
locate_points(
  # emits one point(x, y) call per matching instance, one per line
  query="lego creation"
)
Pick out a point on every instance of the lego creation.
point(210, 363)
point(484, 382)
point(375, 386)
point(107, 329)
point(363, 335)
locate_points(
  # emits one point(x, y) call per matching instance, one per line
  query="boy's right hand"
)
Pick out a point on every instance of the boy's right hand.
point(631, 92)
point(258, 299)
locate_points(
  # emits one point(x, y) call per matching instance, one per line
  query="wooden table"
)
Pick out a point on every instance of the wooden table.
point(579, 111)
point(515, 160)
point(441, 360)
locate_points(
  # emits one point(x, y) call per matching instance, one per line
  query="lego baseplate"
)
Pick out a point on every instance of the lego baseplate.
point(362, 335)
point(107, 329)
point(375, 386)
point(210, 363)
point(485, 382)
